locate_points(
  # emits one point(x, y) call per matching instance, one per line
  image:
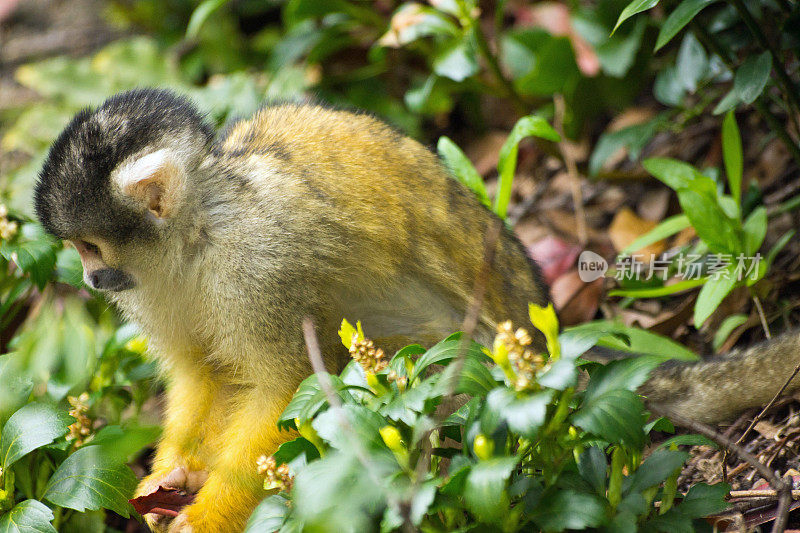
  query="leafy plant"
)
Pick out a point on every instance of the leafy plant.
point(462, 169)
point(730, 238)
point(723, 42)
point(526, 451)
point(58, 470)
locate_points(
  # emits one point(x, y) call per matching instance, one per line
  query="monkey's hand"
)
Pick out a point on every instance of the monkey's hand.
point(180, 478)
point(223, 505)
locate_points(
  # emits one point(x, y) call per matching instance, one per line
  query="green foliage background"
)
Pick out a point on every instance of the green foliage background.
point(436, 70)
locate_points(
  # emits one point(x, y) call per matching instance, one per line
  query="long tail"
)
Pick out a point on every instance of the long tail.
point(717, 389)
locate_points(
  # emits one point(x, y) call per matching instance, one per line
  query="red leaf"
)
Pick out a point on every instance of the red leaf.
point(166, 501)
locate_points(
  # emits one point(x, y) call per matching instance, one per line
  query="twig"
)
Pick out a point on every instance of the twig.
point(755, 420)
point(761, 316)
point(760, 415)
point(474, 310)
point(760, 494)
point(318, 365)
point(782, 489)
point(468, 328)
point(572, 170)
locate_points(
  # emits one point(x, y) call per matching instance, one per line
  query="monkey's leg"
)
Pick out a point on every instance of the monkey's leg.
point(180, 459)
point(234, 488)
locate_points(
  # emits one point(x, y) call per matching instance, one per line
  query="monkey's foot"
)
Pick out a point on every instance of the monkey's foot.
point(188, 482)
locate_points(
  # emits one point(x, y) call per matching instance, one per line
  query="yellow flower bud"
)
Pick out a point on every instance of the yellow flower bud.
point(373, 382)
point(483, 447)
point(391, 437)
point(137, 344)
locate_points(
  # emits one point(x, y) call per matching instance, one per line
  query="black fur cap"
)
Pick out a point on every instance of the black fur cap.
point(73, 194)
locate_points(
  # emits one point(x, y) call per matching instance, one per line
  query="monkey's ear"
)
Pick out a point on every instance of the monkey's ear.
point(156, 181)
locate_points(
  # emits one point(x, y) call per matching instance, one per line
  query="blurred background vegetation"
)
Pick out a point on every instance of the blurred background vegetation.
point(620, 81)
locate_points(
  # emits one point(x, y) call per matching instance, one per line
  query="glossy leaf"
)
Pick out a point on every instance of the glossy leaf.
point(678, 18)
point(29, 516)
point(637, 6)
point(530, 126)
point(462, 168)
point(615, 416)
point(712, 294)
point(31, 427)
point(91, 478)
point(484, 492)
point(732, 155)
point(751, 77)
point(269, 515)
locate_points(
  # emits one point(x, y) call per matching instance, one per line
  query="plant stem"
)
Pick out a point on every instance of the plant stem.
point(494, 66)
point(770, 118)
point(786, 83)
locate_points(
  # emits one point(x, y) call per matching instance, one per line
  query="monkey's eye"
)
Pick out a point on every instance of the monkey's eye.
point(91, 248)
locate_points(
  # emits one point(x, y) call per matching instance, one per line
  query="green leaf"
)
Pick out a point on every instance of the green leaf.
point(338, 493)
point(298, 449)
point(633, 138)
point(717, 229)
point(703, 500)
point(269, 515)
point(712, 294)
point(200, 15)
point(485, 493)
point(637, 6)
point(732, 155)
point(751, 77)
point(679, 18)
point(530, 126)
point(92, 478)
point(343, 427)
point(445, 351)
point(726, 328)
point(462, 168)
point(31, 427)
point(657, 292)
point(666, 228)
point(552, 67)
point(34, 252)
point(29, 516)
point(679, 175)
point(568, 509)
point(457, 62)
point(688, 440)
point(592, 467)
point(308, 400)
point(727, 103)
point(639, 341)
point(616, 416)
point(524, 413)
point(655, 469)
point(125, 443)
point(68, 267)
point(617, 53)
point(755, 230)
point(692, 62)
point(622, 374)
point(668, 87)
point(474, 379)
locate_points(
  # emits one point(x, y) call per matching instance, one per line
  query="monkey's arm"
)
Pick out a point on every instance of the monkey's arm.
point(181, 458)
point(234, 488)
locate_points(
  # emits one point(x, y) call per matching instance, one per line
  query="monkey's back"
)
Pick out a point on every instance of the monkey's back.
point(403, 236)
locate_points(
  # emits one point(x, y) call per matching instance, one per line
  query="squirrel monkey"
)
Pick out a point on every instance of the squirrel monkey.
point(218, 247)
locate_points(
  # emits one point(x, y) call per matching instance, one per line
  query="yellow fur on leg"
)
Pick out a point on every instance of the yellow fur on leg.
point(234, 487)
point(180, 460)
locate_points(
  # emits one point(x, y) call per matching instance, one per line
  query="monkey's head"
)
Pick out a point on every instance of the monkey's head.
point(115, 182)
